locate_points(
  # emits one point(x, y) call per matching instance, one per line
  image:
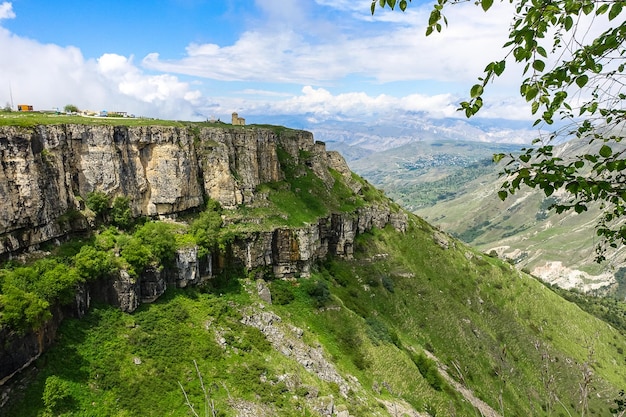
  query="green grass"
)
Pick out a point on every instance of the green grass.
point(400, 296)
point(31, 119)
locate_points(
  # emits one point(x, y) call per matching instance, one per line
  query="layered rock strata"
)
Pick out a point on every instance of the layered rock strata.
point(47, 171)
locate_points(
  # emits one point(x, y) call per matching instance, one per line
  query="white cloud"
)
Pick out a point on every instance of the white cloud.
point(289, 47)
point(6, 11)
point(395, 53)
point(320, 104)
point(49, 76)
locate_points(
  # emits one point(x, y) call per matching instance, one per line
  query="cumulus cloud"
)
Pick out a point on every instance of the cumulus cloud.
point(287, 45)
point(6, 11)
point(49, 76)
point(320, 104)
point(397, 53)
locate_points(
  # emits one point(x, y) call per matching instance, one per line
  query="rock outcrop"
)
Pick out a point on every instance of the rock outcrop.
point(291, 252)
point(47, 171)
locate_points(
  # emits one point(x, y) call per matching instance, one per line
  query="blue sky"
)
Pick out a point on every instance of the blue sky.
point(191, 59)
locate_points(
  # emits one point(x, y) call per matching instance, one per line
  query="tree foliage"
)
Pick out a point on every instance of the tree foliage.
point(70, 108)
point(206, 227)
point(98, 202)
point(573, 58)
point(121, 214)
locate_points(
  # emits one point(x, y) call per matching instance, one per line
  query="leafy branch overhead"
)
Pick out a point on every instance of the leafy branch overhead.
point(573, 58)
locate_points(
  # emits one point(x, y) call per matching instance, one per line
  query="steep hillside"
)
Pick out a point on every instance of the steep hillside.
point(294, 288)
point(415, 324)
point(558, 248)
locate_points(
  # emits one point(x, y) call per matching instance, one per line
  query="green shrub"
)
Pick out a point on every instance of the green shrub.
point(388, 283)
point(107, 239)
point(57, 282)
point(137, 255)
point(318, 291)
point(21, 310)
point(56, 395)
point(282, 292)
point(428, 369)
point(92, 263)
point(121, 215)
point(99, 203)
point(205, 228)
point(159, 238)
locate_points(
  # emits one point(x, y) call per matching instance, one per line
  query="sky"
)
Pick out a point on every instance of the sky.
point(201, 59)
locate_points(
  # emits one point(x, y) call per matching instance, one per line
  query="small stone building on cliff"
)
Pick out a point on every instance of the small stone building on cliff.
point(238, 121)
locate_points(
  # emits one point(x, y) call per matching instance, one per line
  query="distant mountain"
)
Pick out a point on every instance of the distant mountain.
point(358, 138)
point(420, 174)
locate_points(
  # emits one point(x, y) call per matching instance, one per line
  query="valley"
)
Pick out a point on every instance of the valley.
point(454, 185)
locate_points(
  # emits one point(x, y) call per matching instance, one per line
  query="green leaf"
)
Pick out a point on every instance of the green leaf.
point(476, 90)
point(498, 69)
point(403, 5)
point(616, 9)
point(569, 22)
point(534, 107)
point(391, 3)
point(542, 51)
point(486, 4)
point(530, 93)
point(581, 80)
point(502, 194)
point(373, 7)
point(602, 9)
point(605, 151)
point(548, 190)
point(498, 157)
point(539, 65)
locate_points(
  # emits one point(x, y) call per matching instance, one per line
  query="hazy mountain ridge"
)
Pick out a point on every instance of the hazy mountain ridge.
point(357, 138)
point(422, 173)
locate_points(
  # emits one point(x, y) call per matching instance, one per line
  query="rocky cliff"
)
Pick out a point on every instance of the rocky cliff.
point(47, 172)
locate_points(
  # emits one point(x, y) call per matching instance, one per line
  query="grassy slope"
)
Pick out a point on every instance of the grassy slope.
point(521, 223)
point(488, 324)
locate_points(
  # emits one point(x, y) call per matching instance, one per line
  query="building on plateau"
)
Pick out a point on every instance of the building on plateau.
point(238, 121)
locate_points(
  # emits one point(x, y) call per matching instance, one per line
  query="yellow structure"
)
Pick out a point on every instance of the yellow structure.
point(24, 107)
point(238, 121)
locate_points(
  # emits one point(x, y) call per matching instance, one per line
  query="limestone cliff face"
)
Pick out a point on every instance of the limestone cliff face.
point(46, 171)
point(291, 252)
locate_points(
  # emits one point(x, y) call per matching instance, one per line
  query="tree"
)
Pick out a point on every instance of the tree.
point(98, 202)
point(574, 58)
point(121, 214)
point(70, 108)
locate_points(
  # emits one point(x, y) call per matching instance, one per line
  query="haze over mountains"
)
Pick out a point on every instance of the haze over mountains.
point(356, 138)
